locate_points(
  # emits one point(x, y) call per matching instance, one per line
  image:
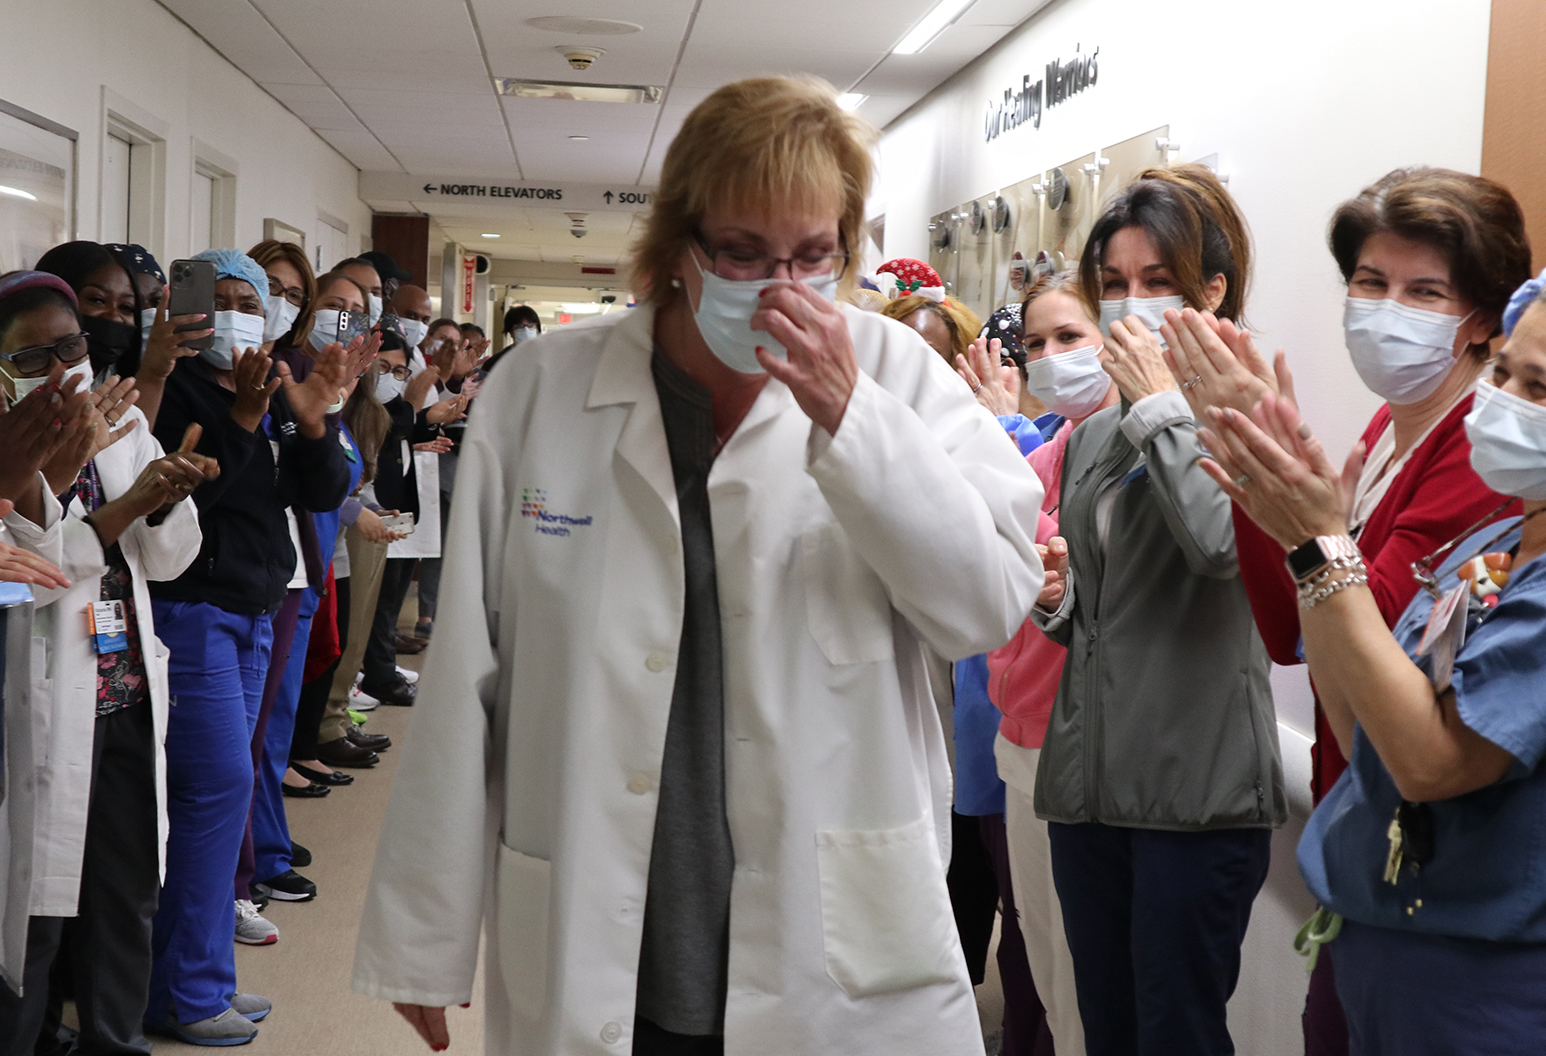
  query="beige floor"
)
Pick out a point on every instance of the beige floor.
point(306, 973)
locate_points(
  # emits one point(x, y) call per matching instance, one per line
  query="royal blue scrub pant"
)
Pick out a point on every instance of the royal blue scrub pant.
point(218, 665)
point(270, 832)
point(1154, 921)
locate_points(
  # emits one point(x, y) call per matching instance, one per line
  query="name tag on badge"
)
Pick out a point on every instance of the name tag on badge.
point(109, 625)
point(1444, 635)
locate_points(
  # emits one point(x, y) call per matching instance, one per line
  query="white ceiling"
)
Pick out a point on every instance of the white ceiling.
point(406, 85)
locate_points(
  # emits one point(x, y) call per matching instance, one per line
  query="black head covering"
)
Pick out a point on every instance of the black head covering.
point(137, 259)
point(1004, 324)
point(114, 346)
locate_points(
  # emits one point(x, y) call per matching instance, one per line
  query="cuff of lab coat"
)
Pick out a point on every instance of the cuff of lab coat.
point(1153, 413)
point(28, 535)
point(1051, 621)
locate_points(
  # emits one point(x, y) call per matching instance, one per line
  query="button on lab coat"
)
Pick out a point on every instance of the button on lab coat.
point(527, 793)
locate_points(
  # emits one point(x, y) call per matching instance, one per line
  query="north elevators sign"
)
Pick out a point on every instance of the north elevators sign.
point(429, 191)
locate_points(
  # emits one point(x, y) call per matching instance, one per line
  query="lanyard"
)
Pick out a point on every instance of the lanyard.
point(1422, 568)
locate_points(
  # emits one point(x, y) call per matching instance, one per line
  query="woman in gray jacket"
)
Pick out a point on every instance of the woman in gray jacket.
point(1160, 773)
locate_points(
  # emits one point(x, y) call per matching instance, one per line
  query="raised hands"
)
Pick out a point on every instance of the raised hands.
point(164, 347)
point(1133, 359)
point(50, 417)
point(1054, 561)
point(249, 376)
point(104, 408)
point(331, 371)
point(1274, 468)
point(996, 387)
point(1217, 364)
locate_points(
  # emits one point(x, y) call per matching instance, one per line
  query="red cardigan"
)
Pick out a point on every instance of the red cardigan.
point(1434, 498)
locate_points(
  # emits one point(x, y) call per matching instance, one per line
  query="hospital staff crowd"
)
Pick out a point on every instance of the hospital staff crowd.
point(797, 622)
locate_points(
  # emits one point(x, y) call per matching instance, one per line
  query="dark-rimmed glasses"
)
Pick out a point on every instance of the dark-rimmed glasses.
point(750, 266)
point(294, 294)
point(37, 359)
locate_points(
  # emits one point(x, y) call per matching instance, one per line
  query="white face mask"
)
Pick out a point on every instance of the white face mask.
point(375, 309)
point(1070, 383)
point(413, 331)
point(522, 334)
point(724, 315)
point(81, 370)
point(1151, 310)
point(281, 316)
point(147, 320)
point(233, 330)
point(389, 388)
point(1508, 443)
point(1403, 354)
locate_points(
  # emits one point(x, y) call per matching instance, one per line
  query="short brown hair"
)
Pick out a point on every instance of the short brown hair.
point(961, 321)
point(1472, 220)
point(270, 250)
point(766, 143)
point(1194, 223)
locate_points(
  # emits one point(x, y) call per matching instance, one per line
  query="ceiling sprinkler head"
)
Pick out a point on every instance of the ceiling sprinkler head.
point(580, 56)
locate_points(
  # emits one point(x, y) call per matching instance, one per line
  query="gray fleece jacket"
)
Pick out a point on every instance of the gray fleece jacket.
point(1164, 717)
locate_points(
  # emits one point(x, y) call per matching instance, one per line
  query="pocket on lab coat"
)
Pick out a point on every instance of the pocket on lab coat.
point(845, 601)
point(885, 911)
point(524, 887)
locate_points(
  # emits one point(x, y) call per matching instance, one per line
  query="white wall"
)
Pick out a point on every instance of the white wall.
point(61, 54)
point(1303, 104)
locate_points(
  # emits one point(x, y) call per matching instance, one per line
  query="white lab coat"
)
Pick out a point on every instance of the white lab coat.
point(526, 796)
point(64, 693)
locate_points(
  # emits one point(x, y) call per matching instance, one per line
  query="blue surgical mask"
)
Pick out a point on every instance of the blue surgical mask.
point(724, 314)
point(233, 330)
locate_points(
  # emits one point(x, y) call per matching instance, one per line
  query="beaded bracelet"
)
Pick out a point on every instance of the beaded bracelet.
point(1323, 586)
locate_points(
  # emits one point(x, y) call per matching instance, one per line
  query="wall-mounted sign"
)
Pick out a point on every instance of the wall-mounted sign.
point(1023, 105)
point(432, 192)
point(469, 283)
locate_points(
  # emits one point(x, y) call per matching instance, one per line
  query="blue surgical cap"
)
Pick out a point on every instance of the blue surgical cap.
point(234, 264)
point(1522, 299)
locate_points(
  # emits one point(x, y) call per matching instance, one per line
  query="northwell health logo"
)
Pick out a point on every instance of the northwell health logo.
point(534, 504)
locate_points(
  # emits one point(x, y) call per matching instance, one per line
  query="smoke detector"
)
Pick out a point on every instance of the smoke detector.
point(577, 224)
point(580, 56)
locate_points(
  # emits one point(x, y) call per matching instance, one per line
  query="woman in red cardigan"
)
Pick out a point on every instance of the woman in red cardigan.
point(1430, 257)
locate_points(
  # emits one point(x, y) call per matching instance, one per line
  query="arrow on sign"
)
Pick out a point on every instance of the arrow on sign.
point(608, 197)
point(429, 188)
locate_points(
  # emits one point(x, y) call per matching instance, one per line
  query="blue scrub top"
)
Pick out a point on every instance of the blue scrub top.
point(1487, 879)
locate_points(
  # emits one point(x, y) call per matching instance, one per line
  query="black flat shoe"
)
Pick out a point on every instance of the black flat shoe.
point(311, 791)
point(322, 777)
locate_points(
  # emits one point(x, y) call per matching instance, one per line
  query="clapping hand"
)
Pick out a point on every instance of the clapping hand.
point(164, 346)
point(1217, 364)
point(1054, 561)
point(997, 387)
point(103, 409)
point(1133, 359)
point(331, 370)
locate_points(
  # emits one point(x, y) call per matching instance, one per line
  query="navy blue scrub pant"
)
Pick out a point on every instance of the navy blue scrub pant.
point(270, 830)
point(1154, 922)
point(218, 665)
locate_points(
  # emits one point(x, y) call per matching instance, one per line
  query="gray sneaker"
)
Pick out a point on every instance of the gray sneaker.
point(251, 1006)
point(251, 928)
point(228, 1028)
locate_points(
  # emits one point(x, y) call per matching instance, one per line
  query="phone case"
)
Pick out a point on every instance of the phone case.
point(193, 293)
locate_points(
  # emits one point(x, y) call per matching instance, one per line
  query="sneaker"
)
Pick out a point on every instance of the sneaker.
point(356, 717)
point(360, 700)
point(359, 676)
point(408, 676)
point(288, 886)
point(300, 857)
point(251, 1007)
point(252, 929)
point(228, 1028)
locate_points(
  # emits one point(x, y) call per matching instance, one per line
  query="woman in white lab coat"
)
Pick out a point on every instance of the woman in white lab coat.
point(674, 742)
point(99, 709)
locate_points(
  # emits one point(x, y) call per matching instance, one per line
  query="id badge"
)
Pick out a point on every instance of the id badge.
point(1444, 635)
point(109, 626)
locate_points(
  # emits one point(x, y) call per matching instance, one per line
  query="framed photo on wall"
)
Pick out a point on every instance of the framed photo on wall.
point(37, 186)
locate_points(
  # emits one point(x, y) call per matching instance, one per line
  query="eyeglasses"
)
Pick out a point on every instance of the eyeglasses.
point(737, 263)
point(294, 294)
point(37, 359)
point(1423, 567)
point(400, 373)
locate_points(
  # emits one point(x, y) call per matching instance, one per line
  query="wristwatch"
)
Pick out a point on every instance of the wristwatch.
point(1310, 558)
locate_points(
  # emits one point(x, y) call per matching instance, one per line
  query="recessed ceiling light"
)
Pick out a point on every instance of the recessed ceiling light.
point(851, 100)
point(15, 193)
point(591, 93)
point(931, 26)
point(599, 27)
point(491, 234)
point(579, 137)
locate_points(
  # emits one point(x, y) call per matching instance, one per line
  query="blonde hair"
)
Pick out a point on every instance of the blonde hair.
point(768, 144)
point(1068, 282)
point(961, 321)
